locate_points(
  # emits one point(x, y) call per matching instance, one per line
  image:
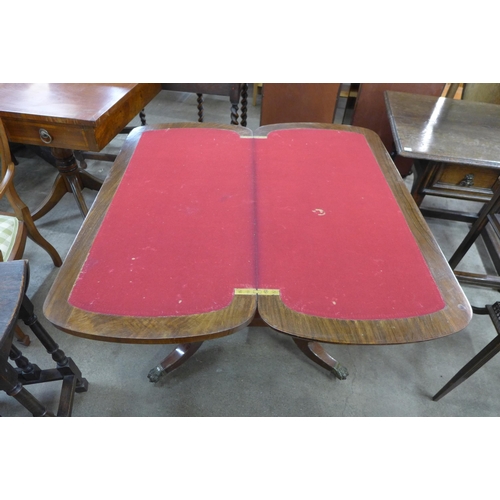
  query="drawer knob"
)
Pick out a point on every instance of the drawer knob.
point(45, 136)
point(468, 180)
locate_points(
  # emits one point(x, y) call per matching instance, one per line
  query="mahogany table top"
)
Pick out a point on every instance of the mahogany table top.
point(78, 116)
point(444, 129)
point(262, 233)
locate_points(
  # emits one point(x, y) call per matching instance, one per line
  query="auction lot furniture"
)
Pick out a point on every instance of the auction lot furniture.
point(298, 102)
point(17, 225)
point(68, 117)
point(455, 147)
point(14, 304)
point(306, 228)
point(235, 92)
point(369, 112)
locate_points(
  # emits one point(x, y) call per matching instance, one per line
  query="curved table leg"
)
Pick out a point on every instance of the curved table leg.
point(315, 352)
point(71, 179)
point(175, 359)
point(59, 189)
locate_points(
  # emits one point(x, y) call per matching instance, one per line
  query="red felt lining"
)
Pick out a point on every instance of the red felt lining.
point(178, 235)
point(331, 235)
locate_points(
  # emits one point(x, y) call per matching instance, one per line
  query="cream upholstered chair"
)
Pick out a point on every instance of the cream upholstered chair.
point(12, 231)
point(17, 225)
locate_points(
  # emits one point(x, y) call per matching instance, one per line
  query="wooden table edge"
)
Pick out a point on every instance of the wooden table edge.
point(454, 317)
point(166, 330)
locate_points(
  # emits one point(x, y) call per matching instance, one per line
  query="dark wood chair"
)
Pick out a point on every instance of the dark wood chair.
point(14, 305)
point(370, 112)
point(234, 91)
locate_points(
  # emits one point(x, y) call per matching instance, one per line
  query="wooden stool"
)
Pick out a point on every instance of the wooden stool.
point(14, 305)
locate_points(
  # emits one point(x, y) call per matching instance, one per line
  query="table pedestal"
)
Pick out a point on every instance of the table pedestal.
point(71, 179)
point(313, 350)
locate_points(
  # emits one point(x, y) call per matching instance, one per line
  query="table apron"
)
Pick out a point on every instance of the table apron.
point(69, 136)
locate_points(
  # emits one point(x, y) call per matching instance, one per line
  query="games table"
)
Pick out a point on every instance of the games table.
point(201, 230)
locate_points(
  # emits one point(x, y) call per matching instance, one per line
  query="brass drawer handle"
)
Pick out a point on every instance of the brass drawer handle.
point(45, 136)
point(468, 180)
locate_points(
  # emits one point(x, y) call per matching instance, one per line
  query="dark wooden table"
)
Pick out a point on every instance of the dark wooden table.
point(454, 145)
point(264, 304)
point(68, 117)
point(456, 152)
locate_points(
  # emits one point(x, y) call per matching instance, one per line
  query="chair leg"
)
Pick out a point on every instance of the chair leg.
point(29, 401)
point(12, 387)
point(22, 337)
point(470, 368)
point(66, 366)
point(32, 231)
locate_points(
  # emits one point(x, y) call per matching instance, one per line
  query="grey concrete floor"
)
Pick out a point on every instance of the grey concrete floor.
point(255, 372)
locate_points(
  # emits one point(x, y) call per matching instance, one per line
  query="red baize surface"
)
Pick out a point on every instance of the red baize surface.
point(331, 235)
point(180, 233)
point(178, 236)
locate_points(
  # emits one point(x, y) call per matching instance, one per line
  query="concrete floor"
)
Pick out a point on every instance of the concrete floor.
point(255, 372)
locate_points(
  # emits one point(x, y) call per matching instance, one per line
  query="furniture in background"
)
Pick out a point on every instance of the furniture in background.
point(234, 91)
point(14, 305)
point(481, 92)
point(256, 87)
point(298, 102)
point(17, 225)
point(370, 112)
point(69, 117)
point(230, 187)
point(455, 149)
point(481, 358)
point(453, 144)
point(488, 216)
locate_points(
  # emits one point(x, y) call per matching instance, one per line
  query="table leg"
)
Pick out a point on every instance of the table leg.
point(489, 208)
point(492, 349)
point(423, 173)
point(315, 352)
point(71, 179)
point(175, 359)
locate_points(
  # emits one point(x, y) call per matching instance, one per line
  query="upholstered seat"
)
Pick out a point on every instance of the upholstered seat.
point(9, 229)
